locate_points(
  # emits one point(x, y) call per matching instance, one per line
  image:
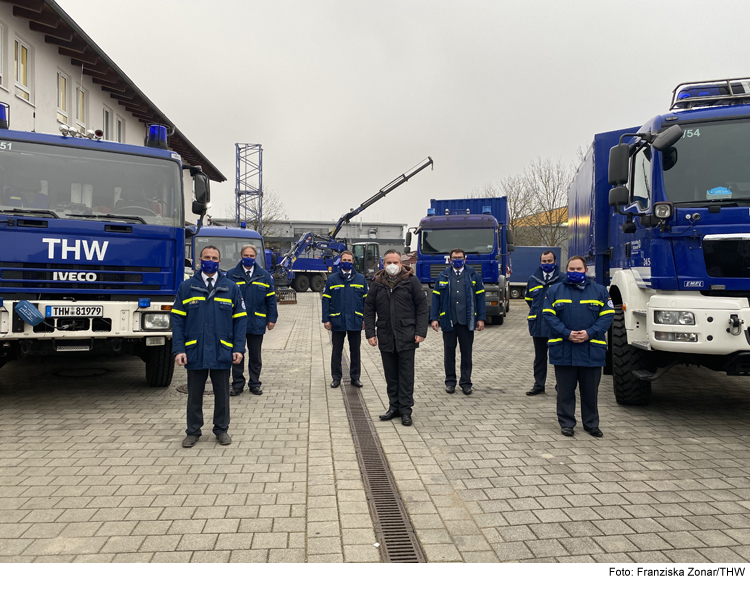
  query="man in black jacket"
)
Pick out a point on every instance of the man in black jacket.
point(397, 306)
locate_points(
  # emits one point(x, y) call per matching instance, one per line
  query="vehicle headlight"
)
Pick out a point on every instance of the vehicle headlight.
point(663, 210)
point(157, 321)
point(673, 317)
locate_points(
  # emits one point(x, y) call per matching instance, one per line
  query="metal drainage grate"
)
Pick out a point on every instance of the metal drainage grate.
point(184, 389)
point(393, 529)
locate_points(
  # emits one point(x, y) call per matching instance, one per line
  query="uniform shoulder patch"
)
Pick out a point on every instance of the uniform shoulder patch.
point(610, 304)
point(243, 303)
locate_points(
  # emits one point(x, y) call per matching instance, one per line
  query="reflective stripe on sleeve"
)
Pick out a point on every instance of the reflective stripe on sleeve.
point(442, 313)
point(529, 299)
point(325, 295)
point(190, 343)
point(358, 313)
point(270, 294)
point(554, 341)
point(259, 283)
point(531, 317)
point(480, 291)
point(436, 292)
point(537, 287)
point(603, 312)
point(227, 344)
point(550, 311)
point(259, 314)
point(180, 312)
point(240, 314)
point(336, 314)
point(598, 342)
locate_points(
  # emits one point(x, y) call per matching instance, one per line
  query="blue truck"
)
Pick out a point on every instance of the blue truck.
point(524, 262)
point(662, 214)
point(480, 228)
point(92, 236)
point(228, 239)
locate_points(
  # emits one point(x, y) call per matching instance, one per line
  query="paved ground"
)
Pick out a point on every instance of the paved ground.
point(91, 467)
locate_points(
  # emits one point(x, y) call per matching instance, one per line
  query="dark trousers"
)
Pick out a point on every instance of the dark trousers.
point(254, 364)
point(464, 338)
point(540, 362)
point(196, 379)
point(398, 367)
point(587, 379)
point(337, 348)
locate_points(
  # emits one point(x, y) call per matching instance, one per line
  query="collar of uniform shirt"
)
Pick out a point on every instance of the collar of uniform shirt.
point(458, 272)
point(206, 278)
point(248, 272)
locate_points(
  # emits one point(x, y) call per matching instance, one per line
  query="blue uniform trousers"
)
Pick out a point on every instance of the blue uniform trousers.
point(540, 362)
point(337, 348)
point(196, 379)
point(587, 379)
point(254, 364)
point(463, 337)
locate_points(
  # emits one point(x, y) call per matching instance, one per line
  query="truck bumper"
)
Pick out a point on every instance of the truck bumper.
point(120, 321)
point(722, 325)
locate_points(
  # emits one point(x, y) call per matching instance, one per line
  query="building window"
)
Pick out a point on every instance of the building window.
point(107, 124)
point(22, 54)
point(81, 109)
point(120, 131)
point(62, 98)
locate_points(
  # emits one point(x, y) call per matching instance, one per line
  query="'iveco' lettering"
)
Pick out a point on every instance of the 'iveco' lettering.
point(63, 276)
point(90, 249)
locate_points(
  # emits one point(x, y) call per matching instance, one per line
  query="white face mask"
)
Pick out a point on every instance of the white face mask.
point(392, 269)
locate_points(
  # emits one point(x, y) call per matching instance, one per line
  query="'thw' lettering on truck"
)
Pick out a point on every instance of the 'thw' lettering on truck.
point(92, 237)
point(662, 213)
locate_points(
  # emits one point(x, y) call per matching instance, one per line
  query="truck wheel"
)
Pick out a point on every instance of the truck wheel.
point(516, 292)
point(302, 283)
point(318, 283)
point(629, 390)
point(498, 320)
point(159, 366)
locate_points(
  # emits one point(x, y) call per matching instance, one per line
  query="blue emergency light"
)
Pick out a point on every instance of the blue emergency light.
point(4, 116)
point(157, 137)
point(486, 209)
point(243, 225)
point(430, 211)
point(144, 302)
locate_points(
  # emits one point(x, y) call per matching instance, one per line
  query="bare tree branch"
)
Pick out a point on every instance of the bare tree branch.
point(273, 211)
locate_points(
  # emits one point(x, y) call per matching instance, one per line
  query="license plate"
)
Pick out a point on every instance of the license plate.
point(75, 311)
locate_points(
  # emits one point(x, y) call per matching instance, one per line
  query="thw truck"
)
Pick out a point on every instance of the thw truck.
point(92, 237)
point(662, 214)
point(524, 263)
point(480, 228)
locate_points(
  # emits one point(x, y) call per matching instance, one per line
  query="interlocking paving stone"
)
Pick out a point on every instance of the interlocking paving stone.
point(92, 469)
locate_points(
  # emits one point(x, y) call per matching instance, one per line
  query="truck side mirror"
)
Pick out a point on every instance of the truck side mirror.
point(511, 248)
point(668, 138)
point(407, 250)
point(619, 160)
point(202, 189)
point(618, 196)
point(199, 208)
point(509, 236)
point(408, 240)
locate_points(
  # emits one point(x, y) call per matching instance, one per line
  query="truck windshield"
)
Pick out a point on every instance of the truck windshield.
point(76, 183)
point(709, 163)
point(471, 240)
point(230, 249)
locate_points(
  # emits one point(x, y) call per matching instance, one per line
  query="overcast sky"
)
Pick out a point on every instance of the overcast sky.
point(346, 95)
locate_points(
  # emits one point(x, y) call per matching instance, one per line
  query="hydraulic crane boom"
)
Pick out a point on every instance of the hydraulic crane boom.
point(344, 219)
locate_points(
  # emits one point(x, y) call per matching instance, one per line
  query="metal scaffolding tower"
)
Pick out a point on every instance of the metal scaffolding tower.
point(249, 188)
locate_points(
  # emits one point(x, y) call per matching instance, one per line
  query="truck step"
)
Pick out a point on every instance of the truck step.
point(648, 376)
point(71, 347)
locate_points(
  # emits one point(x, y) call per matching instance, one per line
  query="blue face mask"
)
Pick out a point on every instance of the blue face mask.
point(548, 267)
point(248, 261)
point(576, 277)
point(458, 263)
point(347, 265)
point(209, 267)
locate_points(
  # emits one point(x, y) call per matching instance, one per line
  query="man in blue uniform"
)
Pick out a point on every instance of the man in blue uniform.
point(343, 314)
point(579, 313)
point(458, 308)
point(208, 336)
point(536, 290)
point(256, 285)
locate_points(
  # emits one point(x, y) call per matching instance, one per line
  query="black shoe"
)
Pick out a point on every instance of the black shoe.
point(466, 391)
point(335, 383)
point(190, 440)
point(450, 389)
point(595, 432)
point(356, 383)
point(406, 420)
point(224, 438)
point(567, 431)
point(390, 414)
point(255, 390)
point(534, 391)
point(236, 391)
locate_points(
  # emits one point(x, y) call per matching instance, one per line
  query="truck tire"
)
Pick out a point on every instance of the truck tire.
point(301, 283)
point(629, 390)
point(317, 283)
point(159, 366)
point(516, 293)
point(498, 320)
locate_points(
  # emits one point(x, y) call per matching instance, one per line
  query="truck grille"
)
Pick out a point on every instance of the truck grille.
point(727, 258)
point(45, 276)
point(435, 270)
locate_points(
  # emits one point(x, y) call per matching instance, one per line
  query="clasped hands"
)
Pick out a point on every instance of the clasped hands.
point(578, 336)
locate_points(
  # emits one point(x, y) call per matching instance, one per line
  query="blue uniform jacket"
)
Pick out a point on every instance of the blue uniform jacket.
point(344, 301)
point(259, 296)
point(568, 308)
point(209, 327)
point(536, 291)
point(440, 308)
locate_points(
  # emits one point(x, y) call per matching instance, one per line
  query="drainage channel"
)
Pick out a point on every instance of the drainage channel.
point(393, 529)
